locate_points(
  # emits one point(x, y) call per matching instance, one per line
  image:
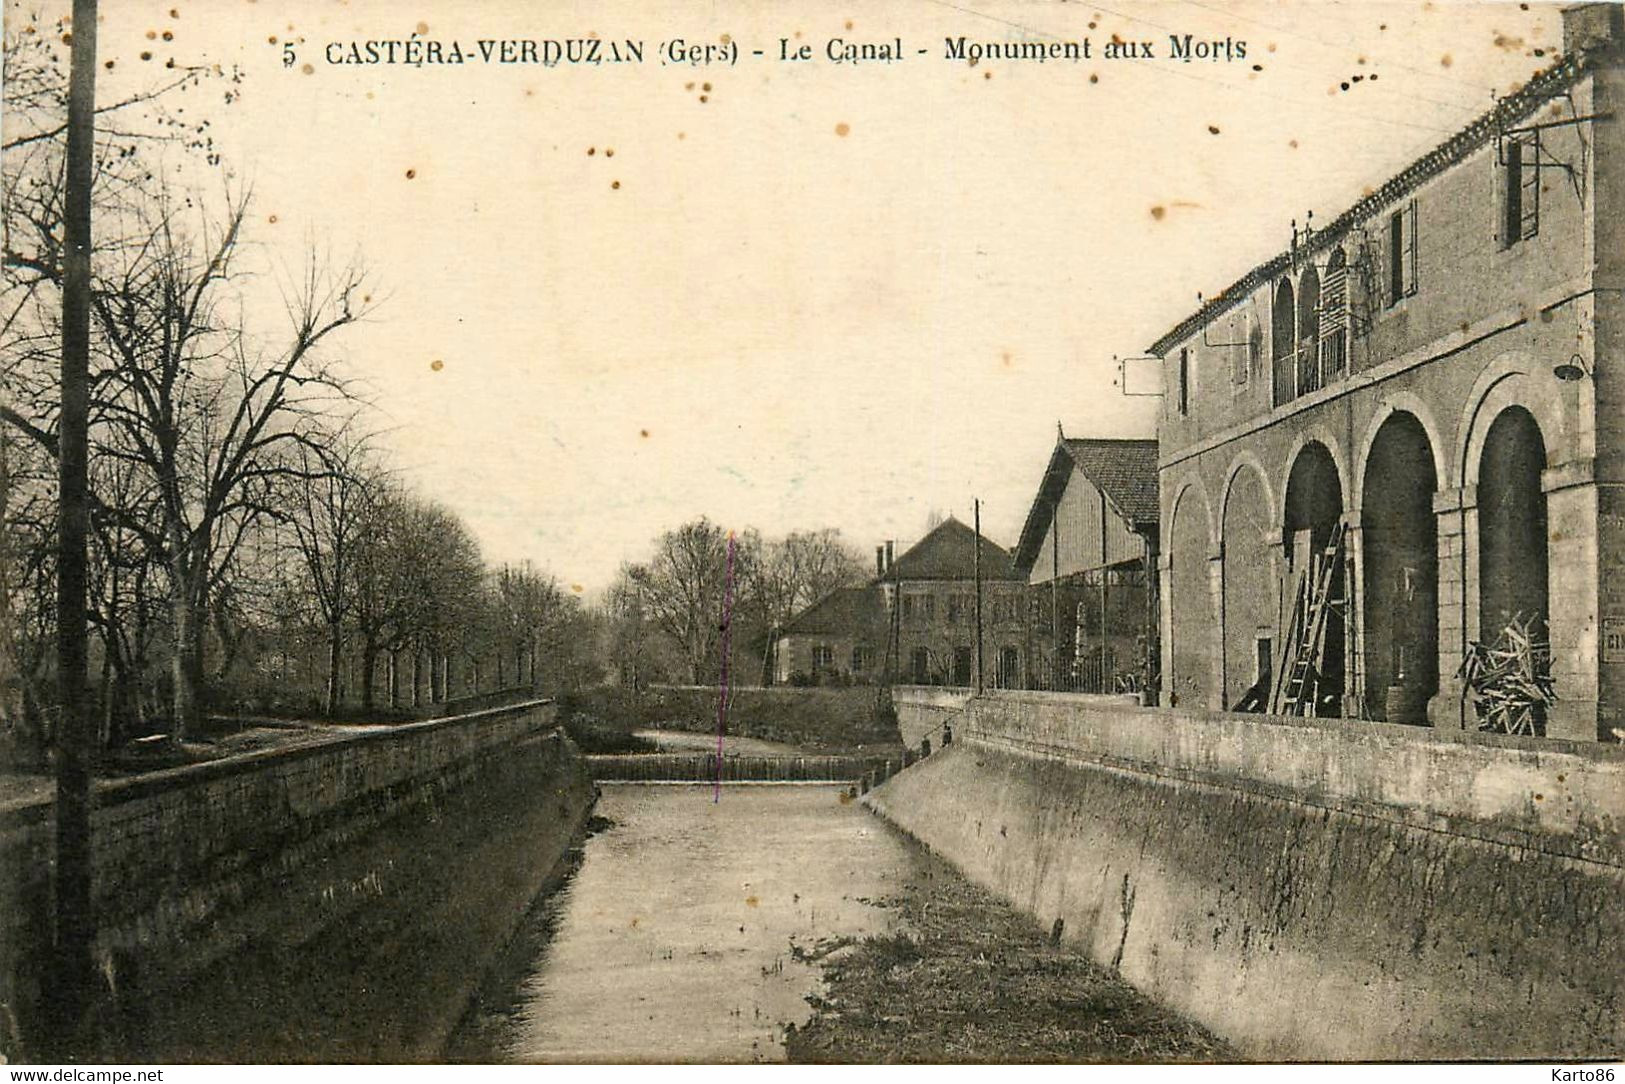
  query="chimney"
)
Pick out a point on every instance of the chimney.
point(889, 554)
point(880, 560)
point(1590, 27)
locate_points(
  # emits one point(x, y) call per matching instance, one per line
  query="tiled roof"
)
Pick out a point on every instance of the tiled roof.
point(845, 610)
point(1124, 470)
point(1510, 110)
point(948, 552)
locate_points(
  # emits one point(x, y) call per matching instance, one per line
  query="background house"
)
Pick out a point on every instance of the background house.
point(839, 639)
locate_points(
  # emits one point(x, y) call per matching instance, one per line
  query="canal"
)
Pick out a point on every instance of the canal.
point(691, 929)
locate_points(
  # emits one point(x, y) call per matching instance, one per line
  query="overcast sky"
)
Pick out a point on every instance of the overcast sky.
point(814, 294)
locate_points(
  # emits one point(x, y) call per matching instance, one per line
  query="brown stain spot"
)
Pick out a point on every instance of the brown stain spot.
point(169, 35)
point(1270, 48)
point(411, 174)
point(146, 56)
point(844, 798)
point(1007, 359)
point(1445, 61)
point(843, 129)
point(704, 99)
point(849, 24)
point(108, 65)
point(682, 135)
point(271, 40)
point(987, 75)
point(307, 69)
point(436, 365)
point(1501, 41)
point(1094, 78)
point(174, 13)
point(706, 87)
point(423, 28)
point(752, 901)
point(271, 219)
point(1158, 212)
point(688, 86)
point(1561, 778)
point(616, 185)
point(644, 433)
point(1464, 327)
point(725, 39)
point(577, 588)
point(152, 35)
point(609, 152)
point(633, 924)
point(67, 39)
point(1293, 143)
point(1212, 129)
point(1546, 316)
point(591, 151)
point(1539, 797)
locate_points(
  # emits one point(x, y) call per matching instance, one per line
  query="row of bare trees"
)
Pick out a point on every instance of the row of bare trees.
point(665, 616)
point(249, 548)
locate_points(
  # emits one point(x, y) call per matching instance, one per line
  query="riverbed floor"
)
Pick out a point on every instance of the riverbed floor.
point(973, 980)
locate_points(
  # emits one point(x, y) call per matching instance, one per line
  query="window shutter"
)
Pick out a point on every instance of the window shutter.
point(1529, 181)
point(1410, 249)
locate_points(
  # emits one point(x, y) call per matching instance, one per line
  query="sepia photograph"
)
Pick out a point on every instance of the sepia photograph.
point(746, 532)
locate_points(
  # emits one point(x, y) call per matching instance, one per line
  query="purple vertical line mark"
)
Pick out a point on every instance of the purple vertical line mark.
point(727, 652)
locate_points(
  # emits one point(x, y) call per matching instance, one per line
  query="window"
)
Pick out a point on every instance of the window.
point(1334, 316)
point(908, 607)
point(955, 605)
point(1520, 188)
point(1184, 381)
point(921, 666)
point(1283, 341)
point(823, 657)
point(860, 660)
point(1402, 253)
point(962, 665)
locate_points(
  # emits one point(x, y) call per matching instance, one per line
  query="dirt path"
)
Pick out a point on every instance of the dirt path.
point(976, 981)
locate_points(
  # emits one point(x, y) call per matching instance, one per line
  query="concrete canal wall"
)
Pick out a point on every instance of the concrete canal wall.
point(923, 709)
point(1307, 888)
point(336, 901)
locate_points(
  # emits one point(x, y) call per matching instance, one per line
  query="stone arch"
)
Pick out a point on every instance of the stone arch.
point(1399, 554)
point(1308, 331)
point(1247, 595)
point(1512, 379)
point(1315, 435)
point(1395, 403)
point(1189, 661)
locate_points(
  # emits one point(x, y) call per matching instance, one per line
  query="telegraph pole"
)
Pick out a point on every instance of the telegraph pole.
point(73, 975)
point(977, 506)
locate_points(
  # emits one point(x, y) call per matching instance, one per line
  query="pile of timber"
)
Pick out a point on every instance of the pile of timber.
point(1510, 681)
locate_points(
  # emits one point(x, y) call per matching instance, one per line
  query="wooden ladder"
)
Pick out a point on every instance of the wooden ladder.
point(1300, 679)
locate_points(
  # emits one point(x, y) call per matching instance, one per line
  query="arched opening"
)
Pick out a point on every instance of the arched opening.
point(1334, 306)
point(1314, 504)
point(1399, 539)
point(1309, 331)
point(1249, 590)
point(1190, 608)
point(1283, 341)
point(1512, 553)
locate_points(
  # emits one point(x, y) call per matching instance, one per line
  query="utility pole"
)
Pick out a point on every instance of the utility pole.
point(977, 509)
point(73, 975)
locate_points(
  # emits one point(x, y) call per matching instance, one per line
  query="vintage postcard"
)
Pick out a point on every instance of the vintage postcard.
point(933, 531)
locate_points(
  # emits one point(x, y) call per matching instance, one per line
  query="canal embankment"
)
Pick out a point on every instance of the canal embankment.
point(1307, 889)
point(329, 902)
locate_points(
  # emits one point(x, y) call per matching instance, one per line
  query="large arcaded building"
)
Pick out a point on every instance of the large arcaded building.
point(1438, 370)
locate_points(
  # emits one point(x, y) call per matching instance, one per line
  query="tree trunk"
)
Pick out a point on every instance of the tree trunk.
point(417, 678)
point(186, 664)
point(369, 668)
point(394, 679)
point(335, 652)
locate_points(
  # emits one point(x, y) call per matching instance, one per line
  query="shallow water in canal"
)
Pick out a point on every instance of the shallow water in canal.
point(691, 929)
